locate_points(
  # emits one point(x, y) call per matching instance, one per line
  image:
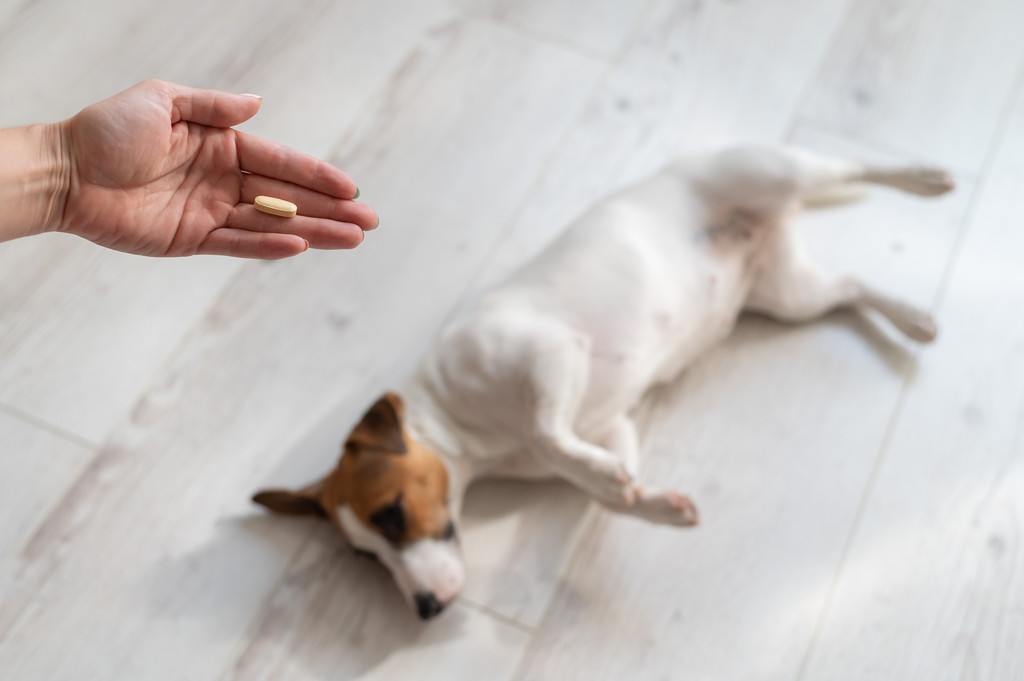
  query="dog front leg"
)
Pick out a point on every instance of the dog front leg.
point(653, 504)
point(606, 472)
point(591, 468)
point(556, 383)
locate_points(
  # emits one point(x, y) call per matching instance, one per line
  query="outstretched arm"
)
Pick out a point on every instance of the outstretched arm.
point(158, 170)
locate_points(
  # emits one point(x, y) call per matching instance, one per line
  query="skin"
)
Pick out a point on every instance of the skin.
point(157, 170)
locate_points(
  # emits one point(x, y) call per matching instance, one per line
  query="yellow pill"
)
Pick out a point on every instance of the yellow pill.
point(268, 204)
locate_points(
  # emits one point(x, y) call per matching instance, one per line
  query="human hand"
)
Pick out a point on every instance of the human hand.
point(157, 170)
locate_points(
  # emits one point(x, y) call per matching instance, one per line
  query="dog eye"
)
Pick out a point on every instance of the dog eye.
point(390, 520)
point(449, 531)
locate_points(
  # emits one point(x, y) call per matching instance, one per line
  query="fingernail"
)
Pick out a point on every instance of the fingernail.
point(248, 94)
point(307, 246)
point(357, 194)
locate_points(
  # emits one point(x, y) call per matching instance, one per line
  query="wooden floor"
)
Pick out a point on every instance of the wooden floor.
point(862, 498)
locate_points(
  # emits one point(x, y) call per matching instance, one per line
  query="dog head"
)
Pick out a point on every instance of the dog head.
point(388, 495)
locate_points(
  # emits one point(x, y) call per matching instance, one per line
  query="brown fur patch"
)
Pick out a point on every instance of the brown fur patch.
point(368, 482)
point(306, 501)
point(380, 429)
point(379, 464)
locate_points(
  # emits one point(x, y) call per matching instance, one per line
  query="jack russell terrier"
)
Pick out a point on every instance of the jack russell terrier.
point(539, 379)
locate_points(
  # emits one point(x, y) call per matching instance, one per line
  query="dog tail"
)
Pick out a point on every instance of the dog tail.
point(838, 194)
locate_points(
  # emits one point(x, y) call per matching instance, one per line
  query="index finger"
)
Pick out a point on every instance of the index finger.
point(270, 159)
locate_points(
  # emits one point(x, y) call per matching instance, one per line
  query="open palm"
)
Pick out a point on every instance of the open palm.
point(157, 170)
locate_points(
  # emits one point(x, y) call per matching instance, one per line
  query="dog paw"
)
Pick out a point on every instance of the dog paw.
point(609, 481)
point(667, 507)
point(686, 510)
point(922, 180)
point(917, 324)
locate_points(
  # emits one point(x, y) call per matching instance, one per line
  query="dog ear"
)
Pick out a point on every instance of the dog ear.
point(380, 429)
point(305, 501)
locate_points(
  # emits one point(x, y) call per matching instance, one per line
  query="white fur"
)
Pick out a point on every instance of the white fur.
point(540, 378)
point(425, 566)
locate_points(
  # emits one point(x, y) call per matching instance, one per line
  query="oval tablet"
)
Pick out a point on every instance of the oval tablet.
point(268, 204)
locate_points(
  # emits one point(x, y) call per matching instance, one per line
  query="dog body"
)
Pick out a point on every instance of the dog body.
point(539, 378)
point(628, 296)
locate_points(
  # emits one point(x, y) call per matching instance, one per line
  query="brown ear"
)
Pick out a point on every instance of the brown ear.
point(380, 429)
point(306, 501)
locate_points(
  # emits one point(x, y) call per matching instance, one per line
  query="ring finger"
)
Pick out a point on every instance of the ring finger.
point(310, 203)
point(319, 232)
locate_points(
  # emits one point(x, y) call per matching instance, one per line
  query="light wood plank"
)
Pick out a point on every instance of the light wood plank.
point(144, 570)
point(597, 26)
point(933, 583)
point(36, 467)
point(84, 330)
point(104, 47)
point(930, 77)
point(774, 434)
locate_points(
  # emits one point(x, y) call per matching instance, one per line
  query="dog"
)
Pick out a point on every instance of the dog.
point(539, 379)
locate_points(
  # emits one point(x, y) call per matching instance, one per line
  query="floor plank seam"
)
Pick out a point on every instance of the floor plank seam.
point(818, 72)
point(51, 428)
point(966, 220)
point(544, 37)
point(495, 615)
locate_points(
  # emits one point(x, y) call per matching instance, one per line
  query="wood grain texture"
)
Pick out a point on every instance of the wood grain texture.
point(136, 566)
point(929, 77)
point(932, 586)
point(774, 435)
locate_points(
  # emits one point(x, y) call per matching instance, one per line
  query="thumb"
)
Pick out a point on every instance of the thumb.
point(212, 107)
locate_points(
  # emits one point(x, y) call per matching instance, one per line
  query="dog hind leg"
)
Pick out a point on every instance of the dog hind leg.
point(815, 172)
point(790, 288)
point(767, 181)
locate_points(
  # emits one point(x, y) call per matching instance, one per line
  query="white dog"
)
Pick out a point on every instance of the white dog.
point(539, 379)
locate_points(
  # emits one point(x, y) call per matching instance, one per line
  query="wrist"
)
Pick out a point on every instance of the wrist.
point(55, 155)
point(35, 176)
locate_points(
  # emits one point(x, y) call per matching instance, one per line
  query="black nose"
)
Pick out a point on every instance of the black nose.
point(427, 605)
